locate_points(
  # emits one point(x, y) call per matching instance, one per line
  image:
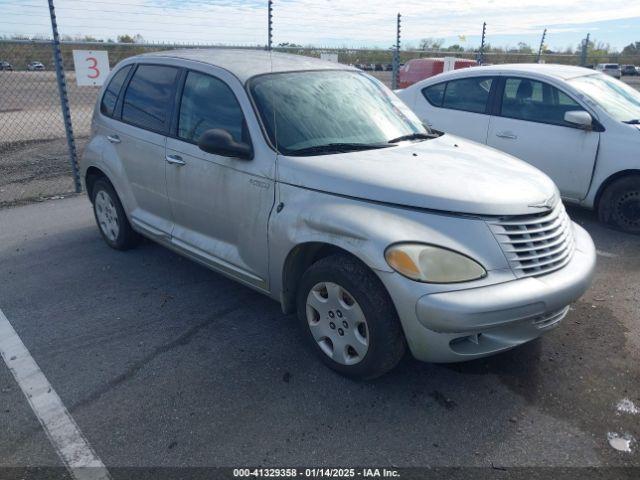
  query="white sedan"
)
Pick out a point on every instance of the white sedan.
point(578, 126)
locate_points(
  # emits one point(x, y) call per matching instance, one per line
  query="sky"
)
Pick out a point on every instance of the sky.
point(332, 23)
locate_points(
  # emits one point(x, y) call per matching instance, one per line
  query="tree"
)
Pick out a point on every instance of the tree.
point(455, 48)
point(431, 43)
point(524, 48)
point(632, 49)
point(597, 47)
point(137, 38)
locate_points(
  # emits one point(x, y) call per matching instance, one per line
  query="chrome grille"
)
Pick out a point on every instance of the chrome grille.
point(535, 244)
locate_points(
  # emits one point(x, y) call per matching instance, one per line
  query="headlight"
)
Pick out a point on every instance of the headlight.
point(427, 263)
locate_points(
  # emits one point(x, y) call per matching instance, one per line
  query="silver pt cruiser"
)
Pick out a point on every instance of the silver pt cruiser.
point(313, 183)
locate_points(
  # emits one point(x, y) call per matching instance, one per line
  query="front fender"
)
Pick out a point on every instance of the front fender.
point(366, 229)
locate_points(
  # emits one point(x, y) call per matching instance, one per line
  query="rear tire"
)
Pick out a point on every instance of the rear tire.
point(349, 318)
point(619, 205)
point(112, 222)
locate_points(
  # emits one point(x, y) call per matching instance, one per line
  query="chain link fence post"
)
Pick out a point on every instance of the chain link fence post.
point(481, 52)
point(269, 24)
point(395, 67)
point(544, 34)
point(64, 99)
point(584, 52)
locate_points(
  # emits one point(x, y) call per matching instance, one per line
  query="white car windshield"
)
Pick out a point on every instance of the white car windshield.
point(320, 112)
point(616, 98)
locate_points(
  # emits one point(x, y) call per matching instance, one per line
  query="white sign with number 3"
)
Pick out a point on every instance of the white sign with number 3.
point(92, 67)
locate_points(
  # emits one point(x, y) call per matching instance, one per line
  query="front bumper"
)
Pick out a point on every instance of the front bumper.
point(465, 324)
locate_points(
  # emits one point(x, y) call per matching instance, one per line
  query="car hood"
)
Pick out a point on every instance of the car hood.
point(447, 173)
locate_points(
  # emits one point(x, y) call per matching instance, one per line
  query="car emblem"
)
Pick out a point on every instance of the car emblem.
point(548, 203)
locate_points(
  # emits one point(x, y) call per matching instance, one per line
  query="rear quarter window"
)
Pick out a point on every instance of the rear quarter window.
point(434, 94)
point(110, 97)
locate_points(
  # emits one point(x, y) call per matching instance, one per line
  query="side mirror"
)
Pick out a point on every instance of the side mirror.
point(579, 118)
point(220, 142)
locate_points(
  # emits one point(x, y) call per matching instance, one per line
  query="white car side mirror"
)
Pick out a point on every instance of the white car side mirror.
point(579, 118)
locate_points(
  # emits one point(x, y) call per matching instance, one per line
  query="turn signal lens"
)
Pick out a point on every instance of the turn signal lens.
point(431, 264)
point(402, 262)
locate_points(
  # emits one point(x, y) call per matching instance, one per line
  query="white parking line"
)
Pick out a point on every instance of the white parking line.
point(61, 428)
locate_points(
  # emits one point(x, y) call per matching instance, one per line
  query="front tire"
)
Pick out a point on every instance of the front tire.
point(110, 217)
point(349, 318)
point(619, 205)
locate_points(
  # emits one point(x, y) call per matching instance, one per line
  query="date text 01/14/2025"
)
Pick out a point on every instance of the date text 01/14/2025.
point(316, 473)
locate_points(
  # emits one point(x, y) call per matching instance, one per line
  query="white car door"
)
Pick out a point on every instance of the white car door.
point(530, 125)
point(458, 106)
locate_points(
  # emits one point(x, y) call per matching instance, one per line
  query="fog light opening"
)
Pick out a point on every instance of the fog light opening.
point(475, 339)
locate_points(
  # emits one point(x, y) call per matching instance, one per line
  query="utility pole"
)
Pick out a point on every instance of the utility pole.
point(396, 56)
point(64, 98)
point(585, 48)
point(544, 34)
point(481, 52)
point(270, 24)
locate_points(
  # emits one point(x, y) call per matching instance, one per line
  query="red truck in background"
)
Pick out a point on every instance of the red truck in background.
point(420, 68)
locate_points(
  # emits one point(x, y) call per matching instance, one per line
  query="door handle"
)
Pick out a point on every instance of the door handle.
point(114, 138)
point(509, 135)
point(175, 160)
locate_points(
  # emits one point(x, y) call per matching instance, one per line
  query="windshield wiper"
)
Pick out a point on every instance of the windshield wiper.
point(336, 148)
point(413, 136)
point(635, 121)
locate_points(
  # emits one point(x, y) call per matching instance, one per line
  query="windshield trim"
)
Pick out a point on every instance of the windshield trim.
point(256, 111)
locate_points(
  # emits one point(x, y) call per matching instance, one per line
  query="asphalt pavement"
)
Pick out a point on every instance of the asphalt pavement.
point(163, 363)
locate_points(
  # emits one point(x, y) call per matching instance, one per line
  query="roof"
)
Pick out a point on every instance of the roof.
point(247, 63)
point(563, 72)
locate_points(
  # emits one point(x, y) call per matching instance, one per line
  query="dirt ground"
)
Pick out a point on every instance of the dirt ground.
point(34, 158)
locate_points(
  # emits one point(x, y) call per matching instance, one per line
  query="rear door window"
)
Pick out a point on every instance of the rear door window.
point(149, 97)
point(468, 94)
point(112, 91)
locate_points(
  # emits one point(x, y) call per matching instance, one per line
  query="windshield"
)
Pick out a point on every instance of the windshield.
point(616, 98)
point(302, 111)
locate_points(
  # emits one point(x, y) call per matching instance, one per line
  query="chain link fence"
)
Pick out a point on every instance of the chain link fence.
point(33, 150)
point(34, 158)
